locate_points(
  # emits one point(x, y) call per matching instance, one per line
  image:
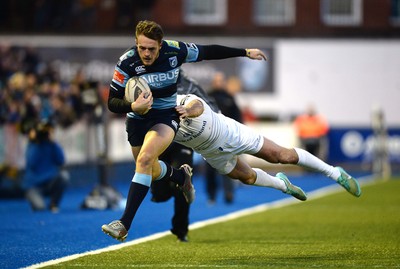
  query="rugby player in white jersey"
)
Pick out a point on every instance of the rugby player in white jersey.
point(220, 140)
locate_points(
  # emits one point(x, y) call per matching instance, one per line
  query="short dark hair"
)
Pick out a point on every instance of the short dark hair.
point(149, 29)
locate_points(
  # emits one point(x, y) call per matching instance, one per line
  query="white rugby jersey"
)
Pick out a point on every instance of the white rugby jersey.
point(217, 138)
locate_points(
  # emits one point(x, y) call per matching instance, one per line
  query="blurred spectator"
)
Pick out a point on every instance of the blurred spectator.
point(380, 155)
point(29, 110)
point(45, 94)
point(44, 174)
point(30, 60)
point(225, 97)
point(76, 102)
point(88, 92)
point(312, 130)
point(30, 90)
point(14, 107)
point(3, 107)
point(233, 87)
point(223, 94)
point(63, 114)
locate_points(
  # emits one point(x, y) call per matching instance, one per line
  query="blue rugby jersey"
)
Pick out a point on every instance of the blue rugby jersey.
point(161, 76)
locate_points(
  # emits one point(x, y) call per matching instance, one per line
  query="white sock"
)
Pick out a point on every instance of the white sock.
point(265, 180)
point(310, 161)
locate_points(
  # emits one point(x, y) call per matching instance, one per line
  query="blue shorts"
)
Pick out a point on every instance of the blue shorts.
point(137, 128)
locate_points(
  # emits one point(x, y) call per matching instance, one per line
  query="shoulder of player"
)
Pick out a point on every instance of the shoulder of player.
point(170, 47)
point(169, 44)
point(129, 55)
point(130, 62)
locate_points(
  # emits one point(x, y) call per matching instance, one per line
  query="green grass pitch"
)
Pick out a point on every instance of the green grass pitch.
point(336, 231)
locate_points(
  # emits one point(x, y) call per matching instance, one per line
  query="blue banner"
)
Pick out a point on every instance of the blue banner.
point(359, 144)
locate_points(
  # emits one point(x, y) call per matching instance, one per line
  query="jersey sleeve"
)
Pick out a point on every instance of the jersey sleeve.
point(121, 73)
point(218, 52)
point(116, 102)
point(193, 53)
point(119, 80)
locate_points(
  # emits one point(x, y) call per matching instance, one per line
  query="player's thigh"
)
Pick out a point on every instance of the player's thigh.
point(156, 141)
point(274, 153)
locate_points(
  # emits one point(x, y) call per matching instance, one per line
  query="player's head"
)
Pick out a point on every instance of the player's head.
point(218, 81)
point(149, 37)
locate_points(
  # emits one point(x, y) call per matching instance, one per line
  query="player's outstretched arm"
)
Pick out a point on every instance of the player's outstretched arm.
point(216, 52)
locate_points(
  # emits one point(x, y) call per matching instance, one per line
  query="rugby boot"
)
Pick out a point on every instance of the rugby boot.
point(116, 230)
point(291, 189)
point(187, 187)
point(349, 183)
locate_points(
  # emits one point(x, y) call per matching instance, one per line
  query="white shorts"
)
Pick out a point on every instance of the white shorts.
point(238, 139)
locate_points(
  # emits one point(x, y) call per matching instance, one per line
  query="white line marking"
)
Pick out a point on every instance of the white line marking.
point(319, 193)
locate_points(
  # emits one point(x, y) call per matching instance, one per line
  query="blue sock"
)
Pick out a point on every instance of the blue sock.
point(164, 170)
point(169, 173)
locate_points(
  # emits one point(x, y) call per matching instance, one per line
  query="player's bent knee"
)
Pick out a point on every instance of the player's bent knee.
point(247, 181)
point(145, 160)
point(247, 178)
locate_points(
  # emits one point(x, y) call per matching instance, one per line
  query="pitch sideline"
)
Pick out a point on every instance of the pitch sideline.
point(316, 194)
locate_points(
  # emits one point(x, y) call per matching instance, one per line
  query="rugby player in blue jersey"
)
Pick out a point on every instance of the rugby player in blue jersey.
point(152, 121)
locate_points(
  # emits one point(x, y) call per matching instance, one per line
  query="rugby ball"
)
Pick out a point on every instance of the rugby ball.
point(134, 87)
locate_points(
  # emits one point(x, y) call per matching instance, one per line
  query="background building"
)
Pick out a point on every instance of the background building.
point(283, 18)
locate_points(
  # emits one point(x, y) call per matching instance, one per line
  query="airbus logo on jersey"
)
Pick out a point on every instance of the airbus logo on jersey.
point(162, 79)
point(140, 69)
